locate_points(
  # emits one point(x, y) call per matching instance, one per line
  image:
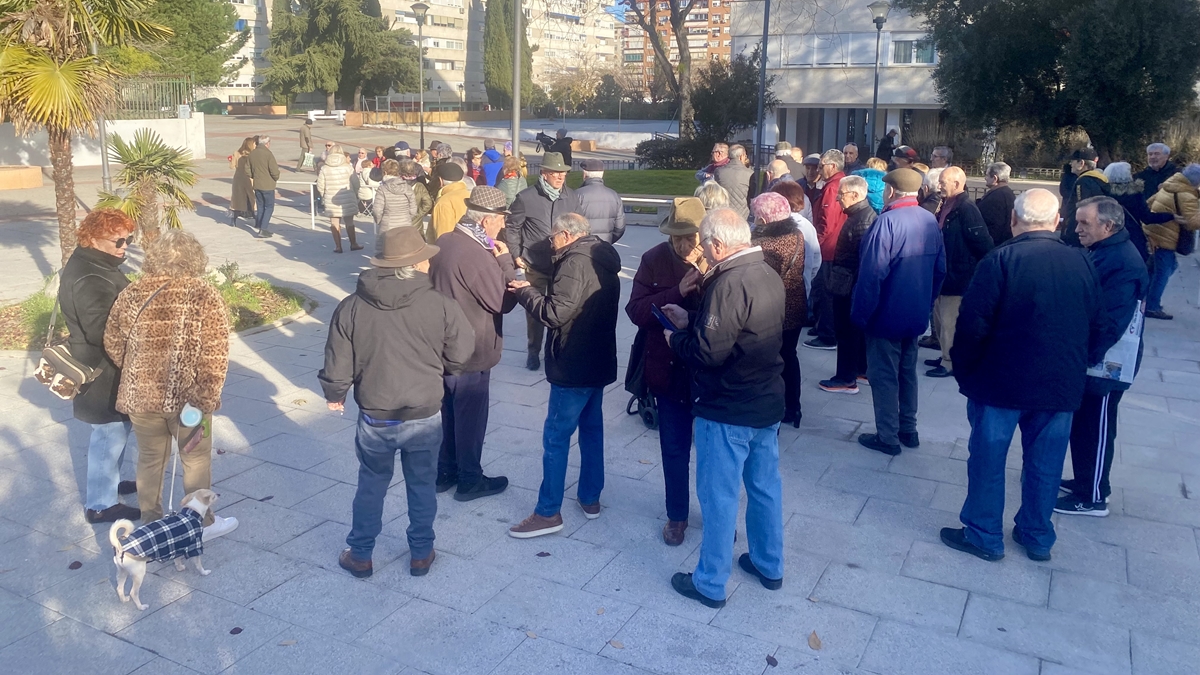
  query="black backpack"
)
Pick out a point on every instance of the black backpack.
point(641, 401)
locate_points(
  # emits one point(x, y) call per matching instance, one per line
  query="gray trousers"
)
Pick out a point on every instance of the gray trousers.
point(892, 371)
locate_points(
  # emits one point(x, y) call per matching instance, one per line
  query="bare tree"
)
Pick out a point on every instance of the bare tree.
point(646, 14)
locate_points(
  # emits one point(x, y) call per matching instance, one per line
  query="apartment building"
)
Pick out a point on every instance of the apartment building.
point(569, 35)
point(453, 41)
point(245, 87)
point(823, 60)
point(709, 30)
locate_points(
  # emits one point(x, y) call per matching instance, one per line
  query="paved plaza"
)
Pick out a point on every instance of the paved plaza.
point(866, 579)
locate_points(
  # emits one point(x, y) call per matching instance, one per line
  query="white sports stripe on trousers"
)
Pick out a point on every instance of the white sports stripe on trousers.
point(1101, 448)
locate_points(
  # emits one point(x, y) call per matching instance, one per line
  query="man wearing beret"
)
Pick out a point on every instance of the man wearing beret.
point(451, 202)
point(902, 265)
point(601, 205)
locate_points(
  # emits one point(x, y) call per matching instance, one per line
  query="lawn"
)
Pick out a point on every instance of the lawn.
point(666, 182)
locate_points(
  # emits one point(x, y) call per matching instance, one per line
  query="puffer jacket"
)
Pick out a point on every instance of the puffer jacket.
point(1179, 197)
point(173, 350)
point(450, 207)
point(333, 182)
point(603, 208)
point(874, 178)
point(510, 187)
point(366, 186)
point(395, 206)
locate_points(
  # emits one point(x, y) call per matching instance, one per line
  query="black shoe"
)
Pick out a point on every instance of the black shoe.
point(793, 418)
point(933, 363)
point(940, 371)
point(872, 441)
point(682, 583)
point(445, 481)
point(956, 538)
point(1158, 314)
point(263, 234)
point(1072, 505)
point(112, 514)
point(533, 362)
point(1019, 539)
point(811, 332)
point(486, 487)
point(127, 487)
point(818, 343)
point(910, 439)
point(769, 584)
point(929, 342)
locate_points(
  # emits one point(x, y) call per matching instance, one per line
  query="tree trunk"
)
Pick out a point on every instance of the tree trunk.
point(148, 219)
point(687, 129)
point(64, 188)
point(330, 104)
point(357, 107)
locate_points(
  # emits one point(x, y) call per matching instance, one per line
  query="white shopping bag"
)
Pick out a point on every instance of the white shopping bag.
point(1121, 360)
point(308, 161)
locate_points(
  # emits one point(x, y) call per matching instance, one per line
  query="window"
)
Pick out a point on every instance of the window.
point(912, 51)
point(633, 58)
point(240, 24)
point(831, 49)
point(726, 32)
point(716, 32)
point(729, 43)
point(713, 44)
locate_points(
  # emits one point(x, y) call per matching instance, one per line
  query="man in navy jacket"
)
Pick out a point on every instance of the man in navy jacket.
point(902, 265)
point(1100, 222)
point(1028, 329)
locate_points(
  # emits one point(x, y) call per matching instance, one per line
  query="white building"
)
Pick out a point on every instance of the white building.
point(569, 35)
point(254, 15)
point(453, 36)
point(823, 60)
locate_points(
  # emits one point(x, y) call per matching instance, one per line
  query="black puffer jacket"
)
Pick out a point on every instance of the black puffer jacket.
point(1152, 179)
point(580, 309)
point(88, 286)
point(530, 218)
point(967, 241)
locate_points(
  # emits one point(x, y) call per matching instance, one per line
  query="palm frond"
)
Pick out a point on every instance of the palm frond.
point(35, 90)
point(124, 201)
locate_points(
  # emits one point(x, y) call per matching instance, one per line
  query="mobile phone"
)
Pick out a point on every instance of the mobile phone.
point(662, 318)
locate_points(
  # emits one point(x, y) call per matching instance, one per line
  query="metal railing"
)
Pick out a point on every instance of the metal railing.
point(151, 97)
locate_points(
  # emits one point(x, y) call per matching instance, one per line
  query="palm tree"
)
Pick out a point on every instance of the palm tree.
point(50, 80)
point(150, 169)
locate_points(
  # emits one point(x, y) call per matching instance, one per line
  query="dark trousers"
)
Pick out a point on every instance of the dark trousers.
point(1093, 432)
point(892, 370)
point(264, 201)
point(535, 331)
point(823, 304)
point(791, 370)
point(464, 424)
point(852, 344)
point(675, 439)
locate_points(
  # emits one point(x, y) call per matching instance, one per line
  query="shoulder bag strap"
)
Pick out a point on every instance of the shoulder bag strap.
point(53, 320)
point(795, 254)
point(141, 309)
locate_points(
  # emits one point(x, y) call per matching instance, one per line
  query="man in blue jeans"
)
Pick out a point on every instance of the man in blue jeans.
point(1030, 325)
point(264, 173)
point(411, 335)
point(580, 309)
point(732, 347)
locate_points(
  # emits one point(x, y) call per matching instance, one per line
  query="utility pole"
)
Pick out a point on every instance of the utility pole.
point(518, 35)
point(105, 174)
point(762, 89)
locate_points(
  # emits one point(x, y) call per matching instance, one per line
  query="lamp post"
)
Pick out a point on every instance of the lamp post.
point(105, 175)
point(518, 53)
point(762, 89)
point(879, 14)
point(420, 9)
point(462, 96)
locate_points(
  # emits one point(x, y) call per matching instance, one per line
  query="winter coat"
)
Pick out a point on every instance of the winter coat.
point(424, 201)
point(305, 137)
point(812, 196)
point(395, 206)
point(563, 147)
point(580, 309)
point(967, 241)
point(1029, 326)
point(996, 207)
point(735, 178)
point(511, 187)
point(242, 200)
point(886, 148)
point(812, 249)
point(732, 343)
point(173, 351)
point(657, 283)
point(262, 168)
point(829, 216)
point(367, 186)
point(1089, 184)
point(529, 220)
point(88, 286)
point(393, 340)
point(450, 207)
point(874, 178)
point(1177, 197)
point(1153, 179)
point(1138, 214)
point(783, 250)
point(1123, 285)
point(333, 182)
point(492, 162)
point(603, 208)
point(901, 268)
point(476, 279)
point(844, 274)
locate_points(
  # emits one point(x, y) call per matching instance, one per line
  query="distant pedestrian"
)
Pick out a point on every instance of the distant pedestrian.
point(306, 141)
point(851, 342)
point(1089, 182)
point(601, 205)
point(829, 217)
point(492, 162)
point(887, 145)
point(562, 145)
point(997, 203)
point(367, 186)
point(264, 172)
point(241, 203)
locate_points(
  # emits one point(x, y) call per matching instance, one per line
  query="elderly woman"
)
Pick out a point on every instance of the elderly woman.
point(712, 196)
point(169, 331)
point(395, 203)
point(241, 202)
point(334, 184)
point(792, 191)
point(510, 180)
point(1180, 197)
point(1128, 193)
point(783, 249)
point(670, 274)
point(88, 286)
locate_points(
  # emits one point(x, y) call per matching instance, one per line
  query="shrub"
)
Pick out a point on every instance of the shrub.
point(674, 154)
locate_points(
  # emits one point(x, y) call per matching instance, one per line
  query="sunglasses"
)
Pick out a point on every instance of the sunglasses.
point(122, 242)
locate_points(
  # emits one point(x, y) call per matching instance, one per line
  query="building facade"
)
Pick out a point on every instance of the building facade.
point(245, 87)
point(567, 36)
point(710, 36)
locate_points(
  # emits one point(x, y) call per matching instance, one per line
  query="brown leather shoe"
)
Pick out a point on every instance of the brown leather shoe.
point(673, 532)
point(536, 526)
point(419, 567)
point(112, 514)
point(127, 487)
point(592, 511)
point(359, 568)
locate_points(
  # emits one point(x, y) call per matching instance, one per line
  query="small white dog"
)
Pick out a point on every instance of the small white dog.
point(173, 537)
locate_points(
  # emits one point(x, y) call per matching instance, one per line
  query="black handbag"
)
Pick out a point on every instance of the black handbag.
point(641, 401)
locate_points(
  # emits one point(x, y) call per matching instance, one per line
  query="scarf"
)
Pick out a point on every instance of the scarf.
point(946, 207)
point(550, 191)
point(475, 231)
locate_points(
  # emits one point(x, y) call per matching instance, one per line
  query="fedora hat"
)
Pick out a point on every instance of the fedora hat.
point(553, 161)
point(685, 217)
point(403, 247)
point(487, 199)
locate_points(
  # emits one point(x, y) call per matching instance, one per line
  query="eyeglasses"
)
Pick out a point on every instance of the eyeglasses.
point(123, 241)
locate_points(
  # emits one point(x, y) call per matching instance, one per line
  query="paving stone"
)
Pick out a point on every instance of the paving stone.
point(20, 617)
point(90, 597)
point(286, 487)
point(797, 662)
point(336, 504)
point(240, 572)
point(457, 528)
point(1155, 656)
point(311, 653)
point(867, 547)
point(90, 650)
point(1162, 509)
point(941, 469)
point(291, 450)
point(1046, 633)
point(820, 502)
point(334, 605)
point(266, 525)
point(647, 582)
point(1163, 539)
point(1161, 574)
point(571, 563)
point(441, 640)
point(453, 581)
point(879, 484)
point(38, 561)
point(559, 613)
point(664, 643)
point(230, 464)
point(321, 546)
point(901, 649)
point(1166, 483)
point(1076, 553)
point(1158, 458)
point(1014, 577)
point(912, 601)
point(231, 435)
point(919, 522)
point(1127, 606)
point(623, 494)
point(526, 472)
point(634, 533)
point(62, 516)
point(239, 410)
point(161, 666)
point(544, 657)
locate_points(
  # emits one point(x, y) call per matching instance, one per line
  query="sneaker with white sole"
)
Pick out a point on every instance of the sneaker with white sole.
point(220, 527)
point(536, 526)
point(838, 387)
point(1074, 506)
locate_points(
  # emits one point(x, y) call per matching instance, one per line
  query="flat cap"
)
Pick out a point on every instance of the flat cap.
point(592, 165)
point(904, 180)
point(449, 171)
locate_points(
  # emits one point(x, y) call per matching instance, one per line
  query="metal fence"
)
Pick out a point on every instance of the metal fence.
point(151, 97)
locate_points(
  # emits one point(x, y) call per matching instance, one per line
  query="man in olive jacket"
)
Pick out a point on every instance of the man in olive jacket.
point(264, 172)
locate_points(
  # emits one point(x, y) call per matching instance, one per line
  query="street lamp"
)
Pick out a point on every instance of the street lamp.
point(517, 61)
point(879, 14)
point(762, 88)
point(419, 10)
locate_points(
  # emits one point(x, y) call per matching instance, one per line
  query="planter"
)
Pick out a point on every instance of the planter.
point(20, 177)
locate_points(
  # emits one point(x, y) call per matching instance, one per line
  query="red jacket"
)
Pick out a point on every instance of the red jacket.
point(829, 216)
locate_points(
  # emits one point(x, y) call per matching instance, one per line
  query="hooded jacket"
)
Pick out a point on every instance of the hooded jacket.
point(492, 161)
point(580, 309)
point(874, 178)
point(1091, 183)
point(393, 339)
point(1129, 195)
point(88, 287)
point(1123, 285)
point(1177, 197)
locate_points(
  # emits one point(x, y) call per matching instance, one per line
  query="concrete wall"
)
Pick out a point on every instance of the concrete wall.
point(32, 150)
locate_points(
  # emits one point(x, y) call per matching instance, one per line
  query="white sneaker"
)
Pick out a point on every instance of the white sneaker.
point(220, 527)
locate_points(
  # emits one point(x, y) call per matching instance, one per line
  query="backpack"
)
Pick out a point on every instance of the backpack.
point(641, 402)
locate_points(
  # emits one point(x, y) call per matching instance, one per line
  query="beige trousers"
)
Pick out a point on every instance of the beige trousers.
point(155, 432)
point(945, 308)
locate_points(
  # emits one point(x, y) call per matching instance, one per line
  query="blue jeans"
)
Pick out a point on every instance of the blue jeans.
point(1164, 266)
point(571, 408)
point(264, 201)
point(418, 442)
point(106, 452)
point(675, 440)
point(1044, 437)
point(727, 456)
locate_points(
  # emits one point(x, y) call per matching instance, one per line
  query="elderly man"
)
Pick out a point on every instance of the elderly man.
point(473, 269)
point(735, 178)
point(720, 157)
point(851, 343)
point(1089, 182)
point(451, 202)
point(887, 145)
point(828, 217)
point(777, 172)
point(732, 346)
point(264, 173)
point(1123, 284)
point(601, 205)
point(904, 157)
point(785, 152)
point(581, 359)
point(902, 265)
point(850, 152)
point(529, 227)
point(393, 339)
point(941, 157)
point(967, 240)
point(1027, 331)
point(997, 203)
point(1159, 167)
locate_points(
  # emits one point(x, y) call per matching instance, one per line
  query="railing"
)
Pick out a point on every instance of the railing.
point(151, 97)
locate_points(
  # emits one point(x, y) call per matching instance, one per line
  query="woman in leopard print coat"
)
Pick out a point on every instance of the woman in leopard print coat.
point(169, 332)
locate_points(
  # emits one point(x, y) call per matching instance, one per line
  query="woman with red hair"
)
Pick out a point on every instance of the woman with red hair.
point(89, 285)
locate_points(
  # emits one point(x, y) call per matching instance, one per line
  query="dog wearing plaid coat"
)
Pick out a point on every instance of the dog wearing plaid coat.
point(175, 536)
